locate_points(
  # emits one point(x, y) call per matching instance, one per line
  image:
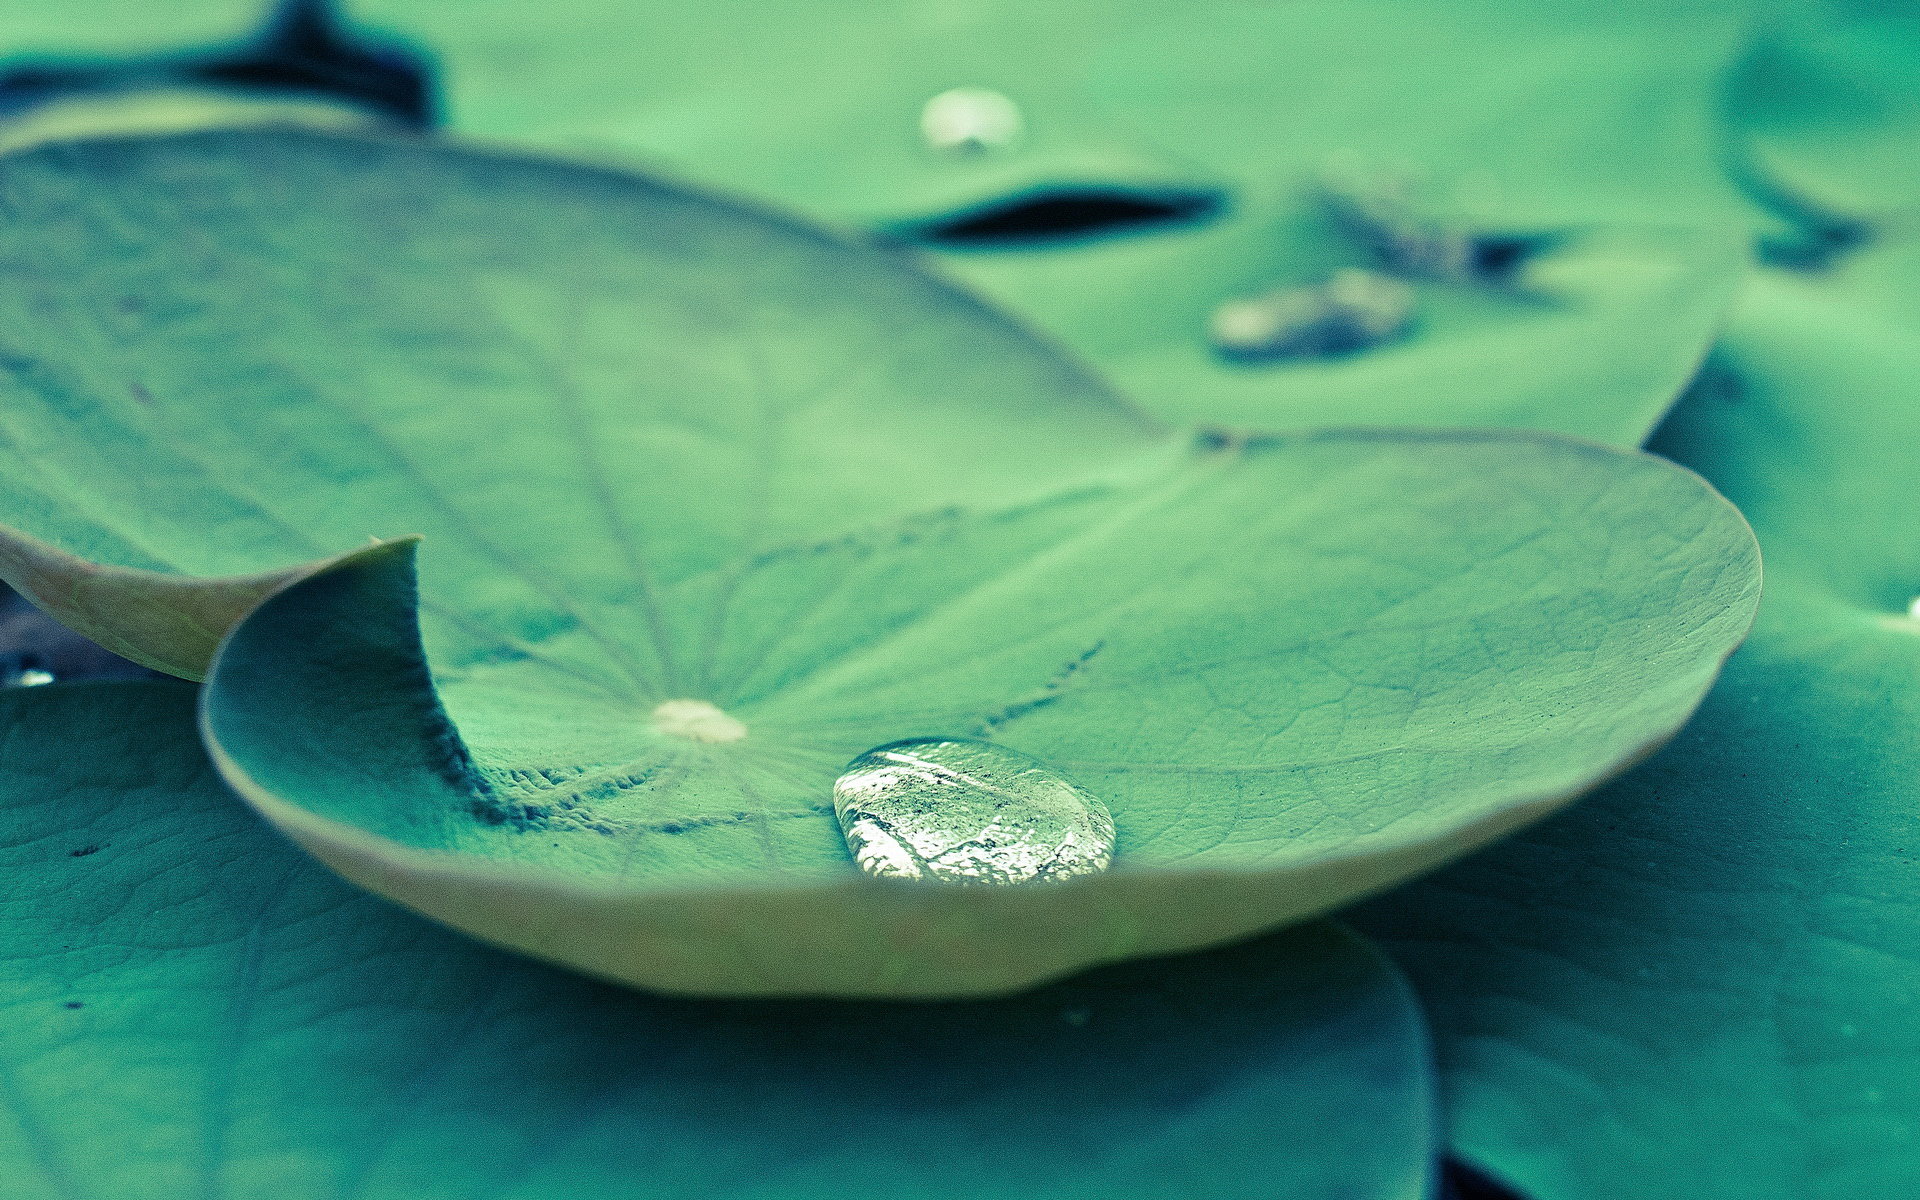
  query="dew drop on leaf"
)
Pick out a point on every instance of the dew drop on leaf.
point(963, 811)
point(1352, 310)
point(970, 120)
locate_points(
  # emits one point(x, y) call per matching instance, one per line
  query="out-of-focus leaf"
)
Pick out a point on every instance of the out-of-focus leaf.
point(1827, 111)
point(35, 32)
point(195, 1010)
point(1706, 980)
point(1537, 112)
point(1592, 335)
point(1224, 120)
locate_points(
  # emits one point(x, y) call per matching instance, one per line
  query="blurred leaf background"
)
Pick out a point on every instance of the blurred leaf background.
point(1702, 982)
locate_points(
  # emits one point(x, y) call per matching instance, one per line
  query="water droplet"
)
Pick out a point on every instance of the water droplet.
point(1913, 608)
point(696, 721)
point(1352, 310)
point(31, 677)
point(965, 811)
point(970, 120)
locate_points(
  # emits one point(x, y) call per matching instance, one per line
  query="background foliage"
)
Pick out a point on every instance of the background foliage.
point(1701, 981)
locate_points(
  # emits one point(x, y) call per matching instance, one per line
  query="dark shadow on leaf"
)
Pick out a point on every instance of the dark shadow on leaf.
point(303, 49)
point(1460, 1181)
point(33, 645)
point(1066, 214)
point(1816, 247)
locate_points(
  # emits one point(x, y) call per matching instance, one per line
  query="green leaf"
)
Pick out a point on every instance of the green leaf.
point(1706, 979)
point(1826, 110)
point(207, 370)
point(1528, 111)
point(170, 109)
point(817, 108)
point(840, 503)
point(262, 63)
point(1605, 113)
point(41, 33)
point(1579, 121)
point(1593, 336)
point(193, 1009)
point(1294, 673)
point(172, 623)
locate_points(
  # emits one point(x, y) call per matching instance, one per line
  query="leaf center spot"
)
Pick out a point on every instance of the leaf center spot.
point(696, 721)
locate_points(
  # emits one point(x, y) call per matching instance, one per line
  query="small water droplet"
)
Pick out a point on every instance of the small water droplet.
point(964, 811)
point(697, 721)
point(1353, 310)
point(31, 677)
point(970, 120)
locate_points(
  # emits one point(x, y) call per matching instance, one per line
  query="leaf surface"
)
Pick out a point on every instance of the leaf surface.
point(1293, 673)
point(1706, 980)
point(1603, 114)
point(664, 450)
point(1202, 135)
point(1827, 109)
point(39, 34)
point(164, 621)
point(1593, 335)
point(196, 1010)
point(485, 351)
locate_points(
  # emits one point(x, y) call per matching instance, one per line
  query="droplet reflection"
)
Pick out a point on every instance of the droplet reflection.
point(969, 812)
point(1352, 310)
point(970, 120)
